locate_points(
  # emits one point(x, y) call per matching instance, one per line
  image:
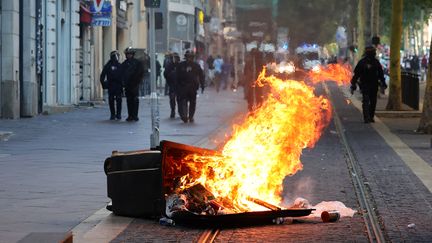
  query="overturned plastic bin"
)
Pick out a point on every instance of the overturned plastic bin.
point(138, 182)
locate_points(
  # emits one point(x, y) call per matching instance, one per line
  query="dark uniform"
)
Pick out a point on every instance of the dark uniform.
point(132, 73)
point(170, 74)
point(253, 66)
point(113, 83)
point(168, 59)
point(371, 75)
point(189, 77)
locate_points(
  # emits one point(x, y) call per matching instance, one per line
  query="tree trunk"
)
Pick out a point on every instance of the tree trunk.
point(410, 40)
point(360, 28)
point(416, 41)
point(375, 18)
point(422, 25)
point(425, 124)
point(395, 96)
point(405, 39)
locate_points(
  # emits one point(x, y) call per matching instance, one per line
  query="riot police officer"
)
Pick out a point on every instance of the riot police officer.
point(189, 78)
point(253, 65)
point(132, 73)
point(114, 84)
point(170, 74)
point(371, 75)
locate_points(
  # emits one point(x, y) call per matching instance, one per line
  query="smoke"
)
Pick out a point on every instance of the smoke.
point(303, 188)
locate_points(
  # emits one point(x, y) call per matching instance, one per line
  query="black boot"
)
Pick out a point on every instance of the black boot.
point(129, 101)
point(135, 109)
point(111, 106)
point(119, 107)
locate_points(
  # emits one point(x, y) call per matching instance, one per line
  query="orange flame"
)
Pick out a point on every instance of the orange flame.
point(340, 73)
point(267, 146)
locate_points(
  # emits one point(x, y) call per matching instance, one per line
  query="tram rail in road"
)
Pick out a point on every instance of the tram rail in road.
point(208, 236)
point(373, 227)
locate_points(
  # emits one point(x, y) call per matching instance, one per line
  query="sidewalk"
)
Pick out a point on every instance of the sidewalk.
point(403, 123)
point(52, 166)
point(406, 110)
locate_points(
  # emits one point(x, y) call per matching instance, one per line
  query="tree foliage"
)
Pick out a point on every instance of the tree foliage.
point(411, 13)
point(312, 21)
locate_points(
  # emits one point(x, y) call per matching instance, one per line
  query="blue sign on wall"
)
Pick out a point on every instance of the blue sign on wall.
point(101, 12)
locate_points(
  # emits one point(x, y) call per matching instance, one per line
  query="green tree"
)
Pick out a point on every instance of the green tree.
point(312, 21)
point(412, 12)
point(425, 124)
point(395, 96)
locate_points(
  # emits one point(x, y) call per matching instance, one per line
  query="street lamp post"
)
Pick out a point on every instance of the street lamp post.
point(154, 137)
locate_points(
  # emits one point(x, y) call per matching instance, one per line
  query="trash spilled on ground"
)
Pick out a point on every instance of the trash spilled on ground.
point(328, 211)
point(197, 205)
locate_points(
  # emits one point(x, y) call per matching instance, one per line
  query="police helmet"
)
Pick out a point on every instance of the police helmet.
point(129, 50)
point(114, 55)
point(370, 51)
point(175, 57)
point(189, 53)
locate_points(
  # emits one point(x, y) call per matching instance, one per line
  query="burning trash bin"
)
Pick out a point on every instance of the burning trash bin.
point(240, 182)
point(146, 183)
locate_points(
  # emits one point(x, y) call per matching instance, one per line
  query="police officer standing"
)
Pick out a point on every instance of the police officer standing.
point(371, 75)
point(113, 82)
point(253, 65)
point(189, 77)
point(132, 73)
point(170, 75)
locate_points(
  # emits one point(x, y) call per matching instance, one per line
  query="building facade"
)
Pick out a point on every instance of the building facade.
point(52, 52)
point(179, 26)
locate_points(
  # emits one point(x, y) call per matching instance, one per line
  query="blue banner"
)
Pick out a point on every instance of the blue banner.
point(101, 12)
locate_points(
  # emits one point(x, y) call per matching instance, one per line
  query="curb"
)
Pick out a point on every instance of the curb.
point(398, 114)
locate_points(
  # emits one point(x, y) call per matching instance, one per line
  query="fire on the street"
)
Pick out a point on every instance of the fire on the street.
point(267, 146)
point(283, 67)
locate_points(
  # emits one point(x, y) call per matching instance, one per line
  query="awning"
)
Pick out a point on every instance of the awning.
point(85, 15)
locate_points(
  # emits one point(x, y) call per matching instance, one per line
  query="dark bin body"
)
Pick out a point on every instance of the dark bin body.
point(134, 182)
point(137, 181)
point(410, 90)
